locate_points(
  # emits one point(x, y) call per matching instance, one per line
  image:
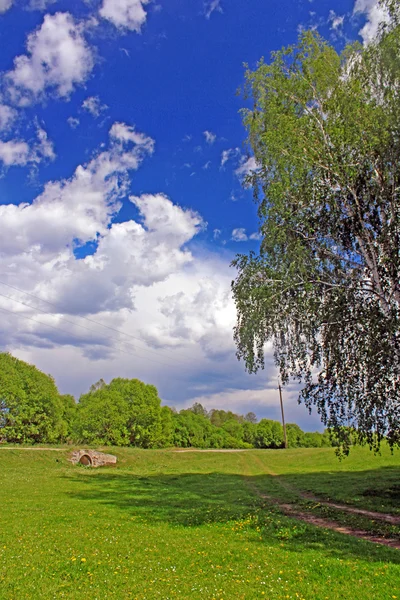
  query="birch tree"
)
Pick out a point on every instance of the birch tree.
point(325, 286)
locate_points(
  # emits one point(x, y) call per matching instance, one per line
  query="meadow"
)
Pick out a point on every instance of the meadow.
point(172, 524)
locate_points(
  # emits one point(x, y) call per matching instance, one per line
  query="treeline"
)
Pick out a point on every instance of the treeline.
point(126, 412)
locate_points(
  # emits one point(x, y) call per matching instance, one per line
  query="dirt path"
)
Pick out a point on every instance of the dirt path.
point(292, 511)
point(392, 519)
point(210, 450)
point(34, 448)
point(295, 512)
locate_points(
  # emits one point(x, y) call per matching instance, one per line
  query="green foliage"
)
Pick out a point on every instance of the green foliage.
point(31, 409)
point(295, 436)
point(126, 412)
point(167, 427)
point(102, 418)
point(144, 423)
point(269, 434)
point(325, 133)
point(69, 409)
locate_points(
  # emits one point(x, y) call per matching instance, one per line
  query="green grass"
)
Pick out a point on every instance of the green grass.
point(190, 525)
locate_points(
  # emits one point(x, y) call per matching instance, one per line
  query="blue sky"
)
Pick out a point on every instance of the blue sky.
point(122, 155)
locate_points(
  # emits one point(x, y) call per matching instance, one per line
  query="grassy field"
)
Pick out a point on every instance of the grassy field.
point(166, 524)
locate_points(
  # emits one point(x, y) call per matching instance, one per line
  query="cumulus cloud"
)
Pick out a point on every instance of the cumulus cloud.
point(94, 106)
point(44, 147)
point(239, 235)
point(14, 152)
point(5, 5)
point(77, 209)
point(375, 14)
point(210, 137)
point(335, 20)
point(126, 133)
point(40, 239)
point(203, 314)
point(125, 14)
point(246, 166)
point(212, 6)
point(73, 122)
point(58, 59)
point(20, 153)
point(7, 116)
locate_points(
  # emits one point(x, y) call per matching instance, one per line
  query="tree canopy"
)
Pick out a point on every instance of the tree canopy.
point(325, 286)
point(125, 412)
point(31, 409)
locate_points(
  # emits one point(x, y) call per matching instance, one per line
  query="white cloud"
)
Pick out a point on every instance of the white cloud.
point(58, 58)
point(5, 5)
point(126, 133)
point(125, 14)
point(40, 4)
point(14, 152)
point(7, 116)
point(216, 233)
point(202, 313)
point(239, 235)
point(255, 236)
point(20, 152)
point(228, 154)
point(73, 122)
point(91, 196)
point(40, 238)
point(94, 106)
point(44, 148)
point(207, 165)
point(210, 7)
point(210, 137)
point(246, 166)
point(375, 15)
point(335, 20)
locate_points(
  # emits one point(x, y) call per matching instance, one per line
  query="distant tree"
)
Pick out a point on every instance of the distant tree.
point(31, 410)
point(102, 418)
point(234, 428)
point(250, 417)
point(295, 435)
point(191, 430)
point(198, 409)
point(144, 404)
point(167, 427)
point(125, 412)
point(69, 413)
point(219, 417)
point(312, 440)
point(99, 385)
point(325, 287)
point(249, 432)
point(269, 434)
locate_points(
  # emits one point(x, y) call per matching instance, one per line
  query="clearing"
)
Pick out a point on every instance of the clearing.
point(165, 524)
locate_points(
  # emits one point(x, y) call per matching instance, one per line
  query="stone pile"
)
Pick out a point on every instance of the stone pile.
point(92, 458)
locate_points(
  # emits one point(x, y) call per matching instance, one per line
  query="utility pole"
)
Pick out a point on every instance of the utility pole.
point(283, 416)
